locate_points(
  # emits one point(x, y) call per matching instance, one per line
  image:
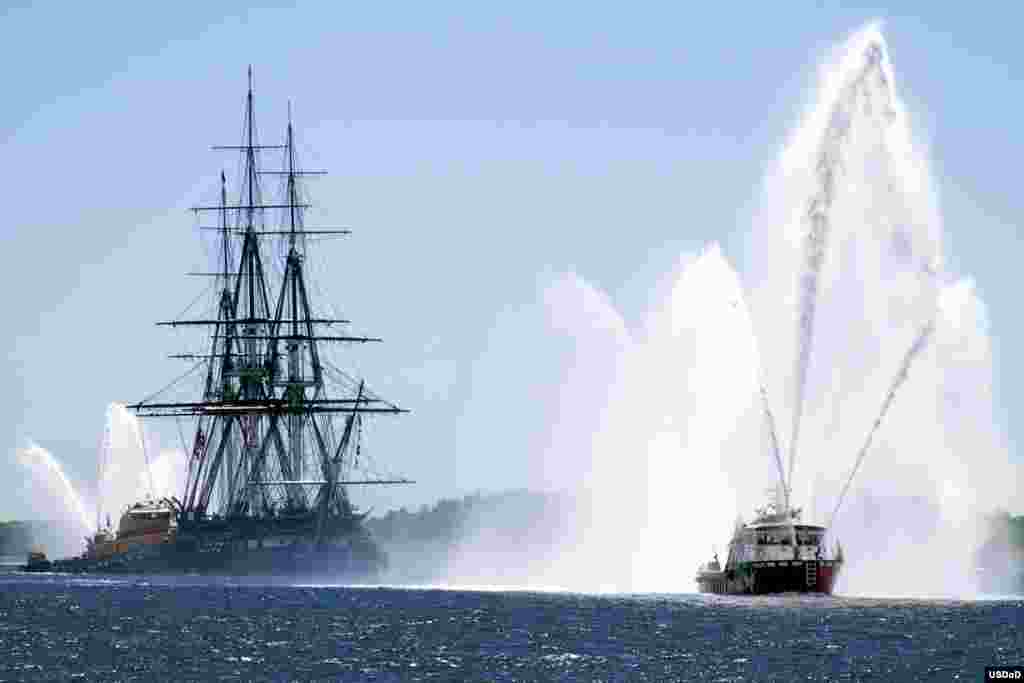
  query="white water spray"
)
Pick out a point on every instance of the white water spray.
point(129, 473)
point(849, 214)
point(915, 349)
point(864, 91)
point(50, 473)
point(124, 476)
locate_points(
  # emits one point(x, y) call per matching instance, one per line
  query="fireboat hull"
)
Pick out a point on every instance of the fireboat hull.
point(764, 578)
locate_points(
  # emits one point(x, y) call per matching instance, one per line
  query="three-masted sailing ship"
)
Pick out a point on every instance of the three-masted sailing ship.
point(276, 431)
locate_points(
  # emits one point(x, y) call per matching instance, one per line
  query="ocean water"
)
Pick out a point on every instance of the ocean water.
point(133, 629)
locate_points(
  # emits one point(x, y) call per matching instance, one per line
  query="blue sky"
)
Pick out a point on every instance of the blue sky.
point(477, 151)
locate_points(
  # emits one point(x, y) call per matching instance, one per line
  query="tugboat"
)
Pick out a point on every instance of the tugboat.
point(37, 561)
point(144, 526)
point(774, 553)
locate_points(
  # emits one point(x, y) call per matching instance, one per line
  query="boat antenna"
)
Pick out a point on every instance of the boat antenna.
point(774, 440)
point(776, 450)
point(769, 417)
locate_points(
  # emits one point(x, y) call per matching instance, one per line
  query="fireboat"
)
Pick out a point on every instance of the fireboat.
point(774, 553)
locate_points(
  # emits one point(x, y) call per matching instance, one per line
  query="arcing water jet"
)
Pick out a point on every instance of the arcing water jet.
point(123, 476)
point(920, 343)
point(48, 470)
point(828, 170)
point(856, 216)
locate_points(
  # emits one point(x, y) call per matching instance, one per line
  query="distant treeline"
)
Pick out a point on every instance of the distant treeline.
point(451, 519)
point(1005, 542)
point(17, 538)
point(447, 521)
point(1000, 560)
point(480, 538)
point(1009, 528)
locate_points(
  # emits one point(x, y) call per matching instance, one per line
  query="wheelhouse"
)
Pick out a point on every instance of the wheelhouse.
point(777, 542)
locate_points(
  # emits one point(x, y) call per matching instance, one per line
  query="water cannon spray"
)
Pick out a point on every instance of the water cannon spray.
point(919, 345)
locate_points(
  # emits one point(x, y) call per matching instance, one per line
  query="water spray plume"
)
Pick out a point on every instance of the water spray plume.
point(145, 458)
point(48, 469)
point(127, 472)
point(818, 218)
point(102, 456)
point(847, 242)
point(919, 345)
point(123, 476)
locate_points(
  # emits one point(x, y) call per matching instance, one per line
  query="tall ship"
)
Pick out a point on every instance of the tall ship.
point(774, 553)
point(276, 429)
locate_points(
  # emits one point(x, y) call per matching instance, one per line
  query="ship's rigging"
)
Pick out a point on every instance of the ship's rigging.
point(277, 427)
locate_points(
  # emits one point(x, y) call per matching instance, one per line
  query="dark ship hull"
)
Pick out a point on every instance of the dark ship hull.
point(338, 562)
point(763, 578)
point(283, 547)
point(37, 562)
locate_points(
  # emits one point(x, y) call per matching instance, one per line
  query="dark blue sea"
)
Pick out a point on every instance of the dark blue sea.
point(57, 628)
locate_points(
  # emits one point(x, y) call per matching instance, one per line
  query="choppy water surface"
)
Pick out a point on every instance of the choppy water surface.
point(57, 628)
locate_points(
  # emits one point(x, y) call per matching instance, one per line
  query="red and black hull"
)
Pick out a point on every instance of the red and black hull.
point(765, 577)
